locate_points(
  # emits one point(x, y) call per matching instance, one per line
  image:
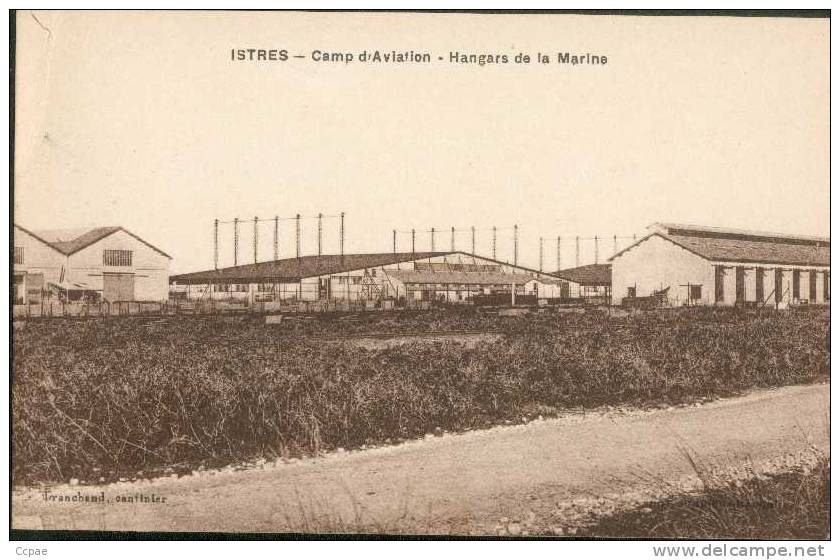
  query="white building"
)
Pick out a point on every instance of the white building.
point(439, 276)
point(107, 263)
point(693, 265)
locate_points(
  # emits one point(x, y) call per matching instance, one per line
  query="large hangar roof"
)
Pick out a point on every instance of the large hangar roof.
point(295, 269)
point(731, 245)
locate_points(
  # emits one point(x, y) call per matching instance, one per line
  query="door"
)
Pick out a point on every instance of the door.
point(34, 287)
point(117, 287)
point(740, 292)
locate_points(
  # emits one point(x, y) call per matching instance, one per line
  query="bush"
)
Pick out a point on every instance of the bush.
point(111, 397)
point(788, 505)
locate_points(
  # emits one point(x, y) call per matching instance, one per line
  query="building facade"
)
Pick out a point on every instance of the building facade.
point(96, 264)
point(694, 265)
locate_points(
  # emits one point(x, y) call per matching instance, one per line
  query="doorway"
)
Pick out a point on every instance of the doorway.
point(117, 286)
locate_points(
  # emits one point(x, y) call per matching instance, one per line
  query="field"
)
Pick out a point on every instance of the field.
point(100, 399)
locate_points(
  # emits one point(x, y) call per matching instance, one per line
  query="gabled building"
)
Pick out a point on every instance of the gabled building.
point(431, 276)
point(696, 265)
point(593, 280)
point(103, 263)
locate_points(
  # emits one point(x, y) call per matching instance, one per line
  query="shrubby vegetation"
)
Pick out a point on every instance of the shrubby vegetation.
point(111, 397)
point(788, 505)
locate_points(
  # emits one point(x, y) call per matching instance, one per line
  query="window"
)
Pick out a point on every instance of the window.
point(18, 255)
point(812, 285)
point(116, 257)
point(631, 291)
point(357, 279)
point(795, 284)
point(759, 285)
point(695, 292)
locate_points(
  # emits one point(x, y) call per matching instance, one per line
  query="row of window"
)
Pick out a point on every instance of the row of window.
point(695, 291)
point(778, 289)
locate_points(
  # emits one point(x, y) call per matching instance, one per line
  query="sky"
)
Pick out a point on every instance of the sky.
point(141, 119)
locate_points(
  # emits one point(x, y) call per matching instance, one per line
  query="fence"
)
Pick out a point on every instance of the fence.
point(174, 307)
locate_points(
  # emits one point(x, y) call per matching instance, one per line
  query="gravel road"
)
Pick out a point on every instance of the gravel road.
point(548, 472)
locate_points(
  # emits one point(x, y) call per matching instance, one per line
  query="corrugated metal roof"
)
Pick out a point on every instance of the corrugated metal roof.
point(454, 277)
point(727, 245)
point(295, 269)
point(588, 274)
point(69, 241)
point(753, 251)
point(690, 229)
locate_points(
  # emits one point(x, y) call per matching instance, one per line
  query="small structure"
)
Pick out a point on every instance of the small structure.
point(102, 263)
point(696, 265)
point(403, 277)
point(594, 281)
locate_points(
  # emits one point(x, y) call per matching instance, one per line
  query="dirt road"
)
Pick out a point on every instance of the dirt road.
point(547, 470)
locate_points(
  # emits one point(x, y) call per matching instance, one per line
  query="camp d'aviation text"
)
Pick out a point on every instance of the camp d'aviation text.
point(419, 57)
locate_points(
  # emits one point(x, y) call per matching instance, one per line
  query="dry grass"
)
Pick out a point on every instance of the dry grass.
point(787, 505)
point(108, 398)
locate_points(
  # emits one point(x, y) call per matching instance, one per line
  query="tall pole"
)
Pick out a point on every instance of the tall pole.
point(559, 255)
point(452, 240)
point(515, 244)
point(216, 243)
point(541, 254)
point(494, 243)
point(615, 244)
point(276, 236)
point(341, 235)
point(413, 236)
point(395, 242)
point(596, 249)
point(235, 241)
point(432, 233)
point(256, 237)
point(577, 250)
point(320, 231)
point(297, 236)
point(472, 232)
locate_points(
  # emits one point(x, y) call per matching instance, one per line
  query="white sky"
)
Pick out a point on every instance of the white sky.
point(141, 120)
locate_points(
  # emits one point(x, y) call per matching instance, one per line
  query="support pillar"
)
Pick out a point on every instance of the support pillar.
point(769, 284)
point(787, 288)
point(819, 296)
point(729, 285)
point(749, 284)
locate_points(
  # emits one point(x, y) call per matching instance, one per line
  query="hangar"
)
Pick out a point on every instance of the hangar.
point(697, 265)
point(454, 277)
